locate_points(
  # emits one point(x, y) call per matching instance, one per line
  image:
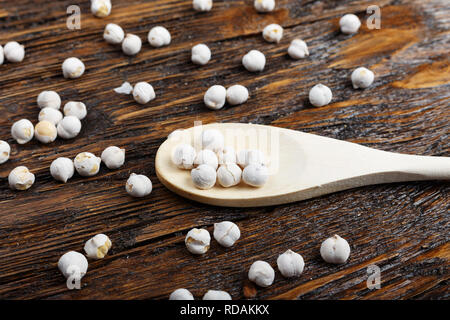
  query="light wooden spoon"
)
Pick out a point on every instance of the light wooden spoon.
point(304, 166)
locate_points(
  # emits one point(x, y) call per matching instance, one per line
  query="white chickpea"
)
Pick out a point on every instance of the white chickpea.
point(254, 61)
point(113, 157)
point(125, 88)
point(50, 114)
point(237, 94)
point(101, 8)
point(49, 99)
point(217, 295)
point(250, 156)
point(200, 54)
point(76, 109)
point(227, 155)
point(138, 185)
point(226, 233)
point(207, 157)
point(290, 264)
point(69, 127)
point(349, 24)
point(143, 92)
point(264, 5)
point(181, 294)
point(273, 33)
point(320, 95)
point(113, 33)
point(73, 68)
point(5, 151)
point(335, 250)
point(159, 36)
point(261, 273)
point(298, 49)
point(362, 78)
point(20, 178)
point(215, 97)
point(22, 131)
point(131, 45)
point(62, 169)
point(14, 52)
point(2, 55)
point(183, 156)
point(229, 175)
point(73, 264)
point(98, 246)
point(45, 131)
point(213, 139)
point(202, 5)
point(197, 241)
point(204, 176)
point(87, 164)
point(255, 175)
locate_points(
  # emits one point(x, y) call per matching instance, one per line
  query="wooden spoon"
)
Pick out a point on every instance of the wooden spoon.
point(303, 166)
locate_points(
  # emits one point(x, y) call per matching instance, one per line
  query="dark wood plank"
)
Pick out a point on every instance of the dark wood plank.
point(402, 228)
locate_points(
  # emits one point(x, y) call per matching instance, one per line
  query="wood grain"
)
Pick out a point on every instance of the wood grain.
point(402, 228)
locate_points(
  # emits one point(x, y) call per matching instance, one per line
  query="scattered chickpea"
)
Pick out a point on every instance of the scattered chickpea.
point(131, 45)
point(261, 273)
point(202, 5)
point(264, 5)
point(349, 23)
point(49, 99)
point(215, 97)
point(138, 185)
point(255, 175)
point(229, 175)
point(183, 156)
point(143, 92)
point(125, 88)
point(2, 55)
point(101, 8)
point(298, 49)
point(14, 52)
point(213, 139)
point(62, 169)
point(197, 241)
point(50, 114)
point(20, 178)
point(73, 264)
point(290, 264)
point(98, 246)
point(207, 157)
point(76, 109)
point(273, 33)
point(5, 151)
point(362, 78)
point(181, 294)
point(113, 157)
point(204, 176)
point(22, 131)
point(45, 131)
point(113, 33)
point(87, 164)
point(69, 127)
point(254, 61)
point(200, 54)
point(226, 233)
point(237, 94)
point(73, 68)
point(335, 250)
point(159, 36)
point(320, 95)
point(217, 295)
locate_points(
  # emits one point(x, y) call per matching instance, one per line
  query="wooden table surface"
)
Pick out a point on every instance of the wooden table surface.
point(403, 228)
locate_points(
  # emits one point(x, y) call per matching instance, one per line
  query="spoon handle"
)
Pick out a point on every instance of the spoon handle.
point(423, 167)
